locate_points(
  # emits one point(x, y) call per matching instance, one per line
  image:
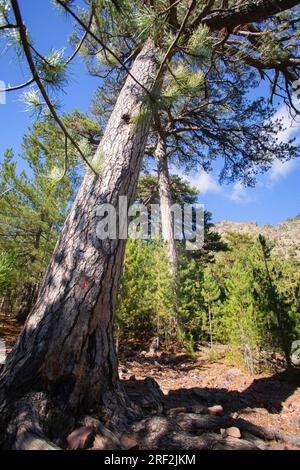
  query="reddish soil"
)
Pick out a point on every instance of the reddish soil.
point(268, 400)
point(191, 384)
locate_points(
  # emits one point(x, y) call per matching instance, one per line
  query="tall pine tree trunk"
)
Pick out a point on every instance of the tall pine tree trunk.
point(167, 226)
point(165, 197)
point(65, 354)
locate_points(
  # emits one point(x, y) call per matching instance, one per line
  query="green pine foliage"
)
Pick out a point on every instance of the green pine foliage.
point(146, 298)
point(222, 297)
point(259, 307)
point(211, 293)
point(191, 305)
point(241, 320)
point(7, 265)
point(34, 202)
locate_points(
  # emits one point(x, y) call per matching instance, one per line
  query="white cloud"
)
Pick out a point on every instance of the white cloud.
point(239, 194)
point(203, 181)
point(290, 127)
point(282, 169)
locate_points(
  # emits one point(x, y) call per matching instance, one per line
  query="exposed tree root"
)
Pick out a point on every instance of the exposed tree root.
point(197, 423)
point(160, 432)
point(267, 434)
point(99, 428)
point(176, 428)
point(26, 427)
point(29, 441)
point(38, 424)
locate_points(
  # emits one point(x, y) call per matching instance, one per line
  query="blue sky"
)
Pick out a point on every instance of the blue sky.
point(276, 195)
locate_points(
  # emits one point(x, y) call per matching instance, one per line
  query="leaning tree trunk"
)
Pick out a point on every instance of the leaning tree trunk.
point(165, 197)
point(64, 363)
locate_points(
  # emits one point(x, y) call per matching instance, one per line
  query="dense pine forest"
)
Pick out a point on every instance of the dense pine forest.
point(146, 340)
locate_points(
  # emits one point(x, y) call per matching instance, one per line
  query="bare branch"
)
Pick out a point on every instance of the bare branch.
point(248, 12)
point(81, 42)
point(173, 5)
point(97, 39)
point(172, 46)
point(204, 12)
point(27, 51)
point(18, 87)
point(8, 26)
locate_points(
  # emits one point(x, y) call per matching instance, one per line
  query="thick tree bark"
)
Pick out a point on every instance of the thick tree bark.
point(66, 351)
point(165, 196)
point(246, 12)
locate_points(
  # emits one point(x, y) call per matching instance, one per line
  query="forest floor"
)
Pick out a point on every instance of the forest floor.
point(206, 396)
point(199, 402)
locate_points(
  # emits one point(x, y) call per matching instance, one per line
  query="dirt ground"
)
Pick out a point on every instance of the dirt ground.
point(9, 331)
point(200, 398)
point(268, 400)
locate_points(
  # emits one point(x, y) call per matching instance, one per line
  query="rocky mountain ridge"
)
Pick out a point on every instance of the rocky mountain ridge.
point(285, 236)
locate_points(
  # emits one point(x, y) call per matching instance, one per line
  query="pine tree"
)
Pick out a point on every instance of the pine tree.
point(146, 298)
point(7, 262)
point(274, 324)
point(34, 203)
point(211, 293)
point(283, 323)
point(241, 322)
point(191, 306)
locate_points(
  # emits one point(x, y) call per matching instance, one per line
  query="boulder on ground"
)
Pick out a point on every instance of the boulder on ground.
point(215, 410)
point(231, 432)
point(129, 443)
point(80, 438)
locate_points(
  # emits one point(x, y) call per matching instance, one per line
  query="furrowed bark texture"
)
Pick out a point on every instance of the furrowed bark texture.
point(248, 12)
point(165, 197)
point(66, 349)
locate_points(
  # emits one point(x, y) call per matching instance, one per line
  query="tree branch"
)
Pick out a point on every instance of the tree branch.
point(18, 87)
point(249, 12)
point(8, 26)
point(97, 39)
point(80, 44)
point(171, 47)
point(29, 58)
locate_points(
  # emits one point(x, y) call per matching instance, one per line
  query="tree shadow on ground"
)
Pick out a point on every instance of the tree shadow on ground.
point(268, 392)
point(182, 418)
